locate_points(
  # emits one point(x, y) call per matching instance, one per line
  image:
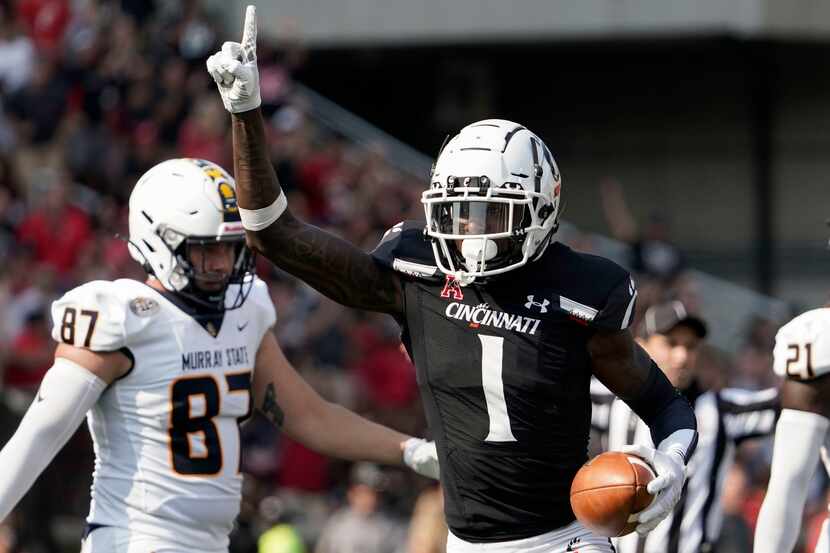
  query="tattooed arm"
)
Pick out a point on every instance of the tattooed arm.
point(333, 266)
point(287, 400)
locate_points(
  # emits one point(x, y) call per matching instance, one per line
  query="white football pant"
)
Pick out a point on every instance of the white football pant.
point(571, 538)
point(109, 539)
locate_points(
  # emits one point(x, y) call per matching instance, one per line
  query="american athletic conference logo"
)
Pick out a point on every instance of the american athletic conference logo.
point(452, 289)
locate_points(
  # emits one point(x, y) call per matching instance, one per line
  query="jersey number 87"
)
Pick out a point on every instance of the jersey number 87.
point(183, 424)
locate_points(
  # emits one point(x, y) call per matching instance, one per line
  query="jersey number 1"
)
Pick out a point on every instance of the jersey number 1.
point(492, 361)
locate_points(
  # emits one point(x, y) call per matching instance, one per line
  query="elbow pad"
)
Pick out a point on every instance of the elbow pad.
point(664, 410)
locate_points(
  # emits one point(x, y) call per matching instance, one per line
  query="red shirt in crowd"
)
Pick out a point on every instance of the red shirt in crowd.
point(46, 21)
point(301, 468)
point(30, 356)
point(56, 239)
point(388, 376)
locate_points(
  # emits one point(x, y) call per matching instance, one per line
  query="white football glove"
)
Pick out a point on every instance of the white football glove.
point(671, 473)
point(235, 71)
point(422, 457)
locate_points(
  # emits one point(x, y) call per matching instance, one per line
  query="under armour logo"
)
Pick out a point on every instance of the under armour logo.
point(543, 306)
point(452, 289)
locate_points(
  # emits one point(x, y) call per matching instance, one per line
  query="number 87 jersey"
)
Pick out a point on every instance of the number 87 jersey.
point(166, 435)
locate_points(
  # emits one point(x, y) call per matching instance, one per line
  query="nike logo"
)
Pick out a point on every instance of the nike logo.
point(240, 327)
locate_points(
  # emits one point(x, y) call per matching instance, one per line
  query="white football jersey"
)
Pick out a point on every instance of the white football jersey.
point(166, 435)
point(802, 346)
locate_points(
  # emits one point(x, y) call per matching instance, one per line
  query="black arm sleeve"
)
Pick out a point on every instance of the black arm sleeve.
point(663, 408)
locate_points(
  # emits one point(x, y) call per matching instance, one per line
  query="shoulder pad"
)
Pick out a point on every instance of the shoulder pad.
point(802, 346)
point(405, 249)
point(618, 310)
point(91, 316)
point(591, 288)
point(260, 297)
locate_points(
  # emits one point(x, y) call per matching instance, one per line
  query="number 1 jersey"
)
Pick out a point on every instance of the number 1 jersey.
point(504, 373)
point(166, 435)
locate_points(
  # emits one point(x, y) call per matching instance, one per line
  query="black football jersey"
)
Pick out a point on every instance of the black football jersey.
point(504, 373)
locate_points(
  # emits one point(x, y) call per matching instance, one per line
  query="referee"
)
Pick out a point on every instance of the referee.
point(725, 418)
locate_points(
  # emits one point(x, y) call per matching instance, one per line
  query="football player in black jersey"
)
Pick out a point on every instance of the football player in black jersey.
point(505, 326)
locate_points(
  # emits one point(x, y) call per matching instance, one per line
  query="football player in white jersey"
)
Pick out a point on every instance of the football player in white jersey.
point(165, 370)
point(802, 357)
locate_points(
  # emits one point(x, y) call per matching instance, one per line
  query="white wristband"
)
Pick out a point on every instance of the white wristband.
point(258, 219)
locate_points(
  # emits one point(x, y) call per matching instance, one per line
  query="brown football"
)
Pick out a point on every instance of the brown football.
point(608, 489)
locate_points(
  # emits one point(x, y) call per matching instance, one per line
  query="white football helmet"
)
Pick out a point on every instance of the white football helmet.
point(183, 202)
point(493, 202)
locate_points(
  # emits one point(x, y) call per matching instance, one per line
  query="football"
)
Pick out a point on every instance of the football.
point(608, 489)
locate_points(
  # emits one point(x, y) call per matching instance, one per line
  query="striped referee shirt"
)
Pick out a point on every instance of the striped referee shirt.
point(724, 419)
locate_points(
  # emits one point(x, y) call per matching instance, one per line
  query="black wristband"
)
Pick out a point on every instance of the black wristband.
point(663, 408)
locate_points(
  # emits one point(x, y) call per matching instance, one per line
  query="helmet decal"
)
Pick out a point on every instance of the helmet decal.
point(227, 194)
point(229, 206)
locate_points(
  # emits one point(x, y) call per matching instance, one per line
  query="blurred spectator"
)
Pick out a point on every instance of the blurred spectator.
point(17, 55)
point(31, 353)
point(301, 468)
point(652, 253)
point(753, 362)
point(46, 22)
point(384, 371)
point(196, 33)
point(11, 212)
point(202, 135)
point(39, 106)
point(21, 292)
point(736, 535)
point(56, 229)
point(361, 526)
point(282, 536)
point(277, 64)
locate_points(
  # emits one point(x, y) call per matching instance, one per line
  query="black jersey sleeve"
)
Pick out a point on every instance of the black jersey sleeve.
point(618, 310)
point(406, 250)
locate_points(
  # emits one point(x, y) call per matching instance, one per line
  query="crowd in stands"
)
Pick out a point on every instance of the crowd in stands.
point(95, 92)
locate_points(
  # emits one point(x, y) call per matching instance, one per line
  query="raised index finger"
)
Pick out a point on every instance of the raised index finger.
point(249, 33)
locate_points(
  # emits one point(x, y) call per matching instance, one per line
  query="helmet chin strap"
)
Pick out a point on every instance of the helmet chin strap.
point(476, 252)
